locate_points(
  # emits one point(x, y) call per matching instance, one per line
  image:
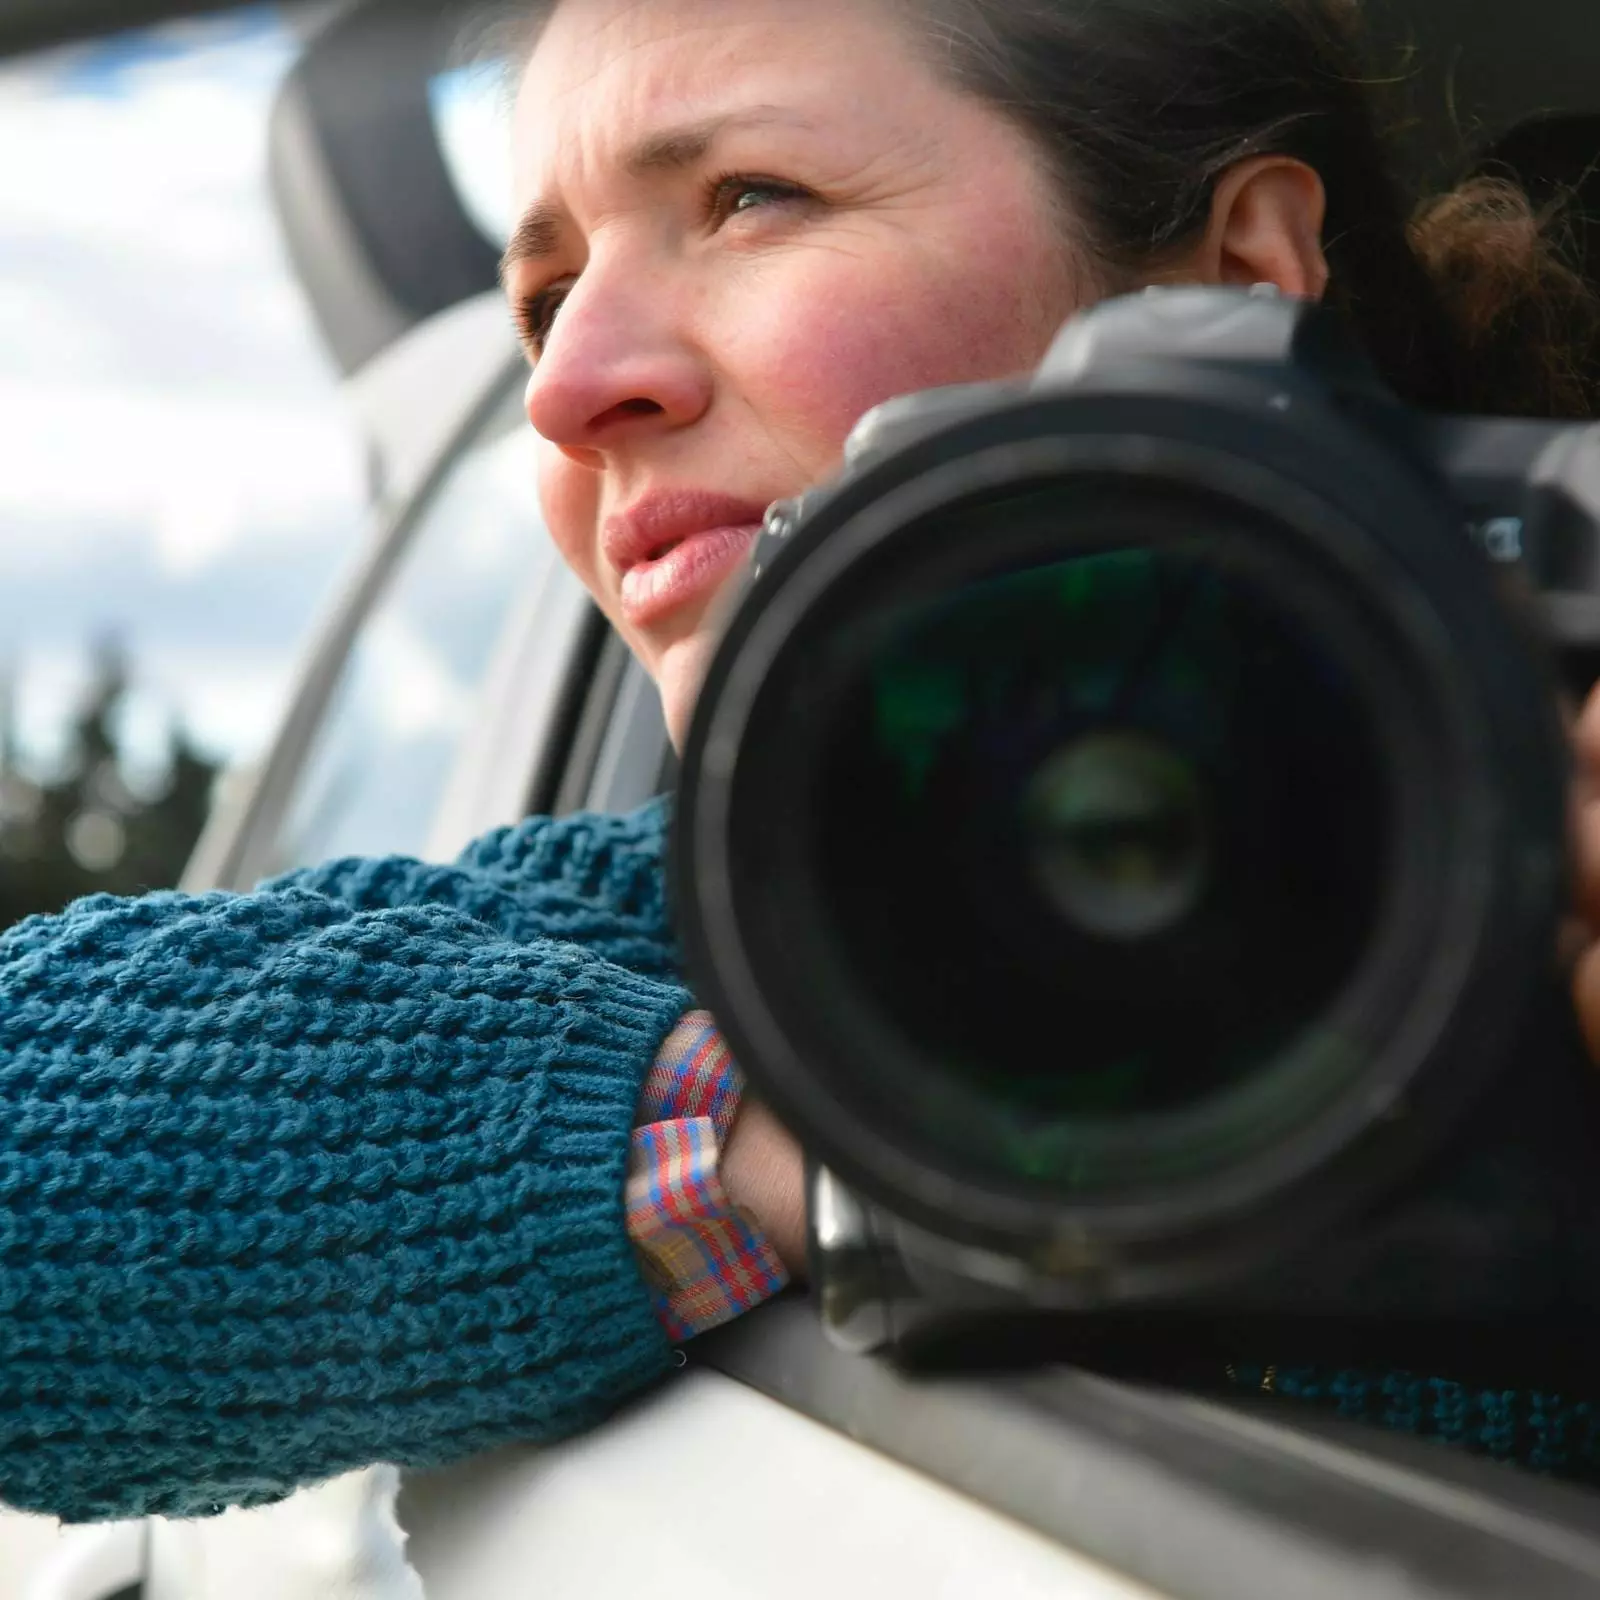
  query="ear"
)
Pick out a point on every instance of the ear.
point(1266, 227)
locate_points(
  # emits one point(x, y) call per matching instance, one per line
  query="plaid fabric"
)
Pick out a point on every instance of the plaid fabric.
point(704, 1260)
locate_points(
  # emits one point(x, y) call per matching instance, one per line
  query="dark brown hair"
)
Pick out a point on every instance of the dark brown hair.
point(1138, 107)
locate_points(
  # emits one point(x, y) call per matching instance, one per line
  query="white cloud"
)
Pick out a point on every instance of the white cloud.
point(195, 525)
point(230, 708)
point(191, 476)
point(141, 215)
point(227, 704)
point(41, 330)
point(188, 128)
point(169, 423)
point(79, 147)
point(412, 689)
point(48, 690)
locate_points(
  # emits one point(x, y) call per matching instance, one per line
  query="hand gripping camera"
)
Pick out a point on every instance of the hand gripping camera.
point(1122, 835)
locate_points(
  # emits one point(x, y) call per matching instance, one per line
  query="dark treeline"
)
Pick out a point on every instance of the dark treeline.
point(83, 829)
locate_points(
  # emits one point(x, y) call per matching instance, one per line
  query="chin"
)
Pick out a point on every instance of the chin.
point(679, 672)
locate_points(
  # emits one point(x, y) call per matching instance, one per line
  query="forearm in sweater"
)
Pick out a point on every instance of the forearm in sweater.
point(587, 879)
point(287, 1187)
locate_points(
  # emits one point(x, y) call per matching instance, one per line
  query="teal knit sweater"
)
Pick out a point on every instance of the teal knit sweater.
point(332, 1173)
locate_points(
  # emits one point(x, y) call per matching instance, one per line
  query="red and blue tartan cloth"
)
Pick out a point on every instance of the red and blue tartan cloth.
point(704, 1259)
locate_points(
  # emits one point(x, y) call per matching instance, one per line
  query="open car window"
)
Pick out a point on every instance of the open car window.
point(409, 691)
point(462, 667)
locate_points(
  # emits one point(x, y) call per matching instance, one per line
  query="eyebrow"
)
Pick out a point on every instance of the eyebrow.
point(537, 234)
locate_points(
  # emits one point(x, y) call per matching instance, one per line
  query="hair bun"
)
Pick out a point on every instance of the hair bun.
point(1527, 318)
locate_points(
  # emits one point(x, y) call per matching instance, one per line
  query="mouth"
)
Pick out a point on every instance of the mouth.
point(679, 575)
point(673, 549)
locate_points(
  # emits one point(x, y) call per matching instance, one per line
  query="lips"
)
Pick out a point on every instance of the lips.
point(675, 547)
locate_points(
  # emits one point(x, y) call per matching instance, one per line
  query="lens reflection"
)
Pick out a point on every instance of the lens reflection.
point(1117, 836)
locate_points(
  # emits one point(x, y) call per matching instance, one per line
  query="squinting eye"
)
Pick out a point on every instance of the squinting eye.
point(734, 194)
point(535, 315)
point(748, 195)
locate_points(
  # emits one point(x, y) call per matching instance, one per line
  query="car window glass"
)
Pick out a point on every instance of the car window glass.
point(407, 693)
point(471, 119)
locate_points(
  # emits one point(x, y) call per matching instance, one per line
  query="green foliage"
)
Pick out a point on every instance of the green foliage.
point(84, 830)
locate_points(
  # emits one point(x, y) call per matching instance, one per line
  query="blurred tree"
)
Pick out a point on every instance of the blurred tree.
point(85, 830)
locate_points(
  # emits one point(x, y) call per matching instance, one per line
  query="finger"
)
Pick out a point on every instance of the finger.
point(1586, 860)
point(1573, 938)
point(1586, 997)
point(1586, 741)
point(763, 1170)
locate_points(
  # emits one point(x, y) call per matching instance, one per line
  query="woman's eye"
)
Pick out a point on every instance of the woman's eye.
point(535, 315)
point(733, 195)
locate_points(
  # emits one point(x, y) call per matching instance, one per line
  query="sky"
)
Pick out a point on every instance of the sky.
point(176, 462)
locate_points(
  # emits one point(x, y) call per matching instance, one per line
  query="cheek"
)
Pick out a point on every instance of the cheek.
point(848, 341)
point(569, 496)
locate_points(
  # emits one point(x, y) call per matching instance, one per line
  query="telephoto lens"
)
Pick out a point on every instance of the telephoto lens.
point(1123, 823)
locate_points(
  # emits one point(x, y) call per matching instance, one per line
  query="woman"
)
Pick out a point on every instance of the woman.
point(335, 1172)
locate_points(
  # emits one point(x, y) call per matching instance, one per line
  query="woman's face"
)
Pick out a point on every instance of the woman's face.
point(744, 223)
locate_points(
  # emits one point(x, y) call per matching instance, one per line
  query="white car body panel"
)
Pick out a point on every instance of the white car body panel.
point(710, 1489)
point(705, 1486)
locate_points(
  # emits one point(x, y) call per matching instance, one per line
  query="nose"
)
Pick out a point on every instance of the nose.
point(615, 368)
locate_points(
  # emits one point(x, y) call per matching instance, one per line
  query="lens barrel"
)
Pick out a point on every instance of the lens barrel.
point(1121, 830)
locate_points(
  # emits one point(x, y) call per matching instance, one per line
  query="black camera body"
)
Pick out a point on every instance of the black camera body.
point(1123, 835)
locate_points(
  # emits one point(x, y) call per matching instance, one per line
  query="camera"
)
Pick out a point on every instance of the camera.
point(1122, 834)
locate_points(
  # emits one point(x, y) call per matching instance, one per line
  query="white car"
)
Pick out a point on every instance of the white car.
point(461, 680)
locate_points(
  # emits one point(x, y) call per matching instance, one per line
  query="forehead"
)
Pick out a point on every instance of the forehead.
point(607, 73)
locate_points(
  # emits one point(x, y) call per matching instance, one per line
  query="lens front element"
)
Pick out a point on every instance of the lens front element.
point(1118, 836)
